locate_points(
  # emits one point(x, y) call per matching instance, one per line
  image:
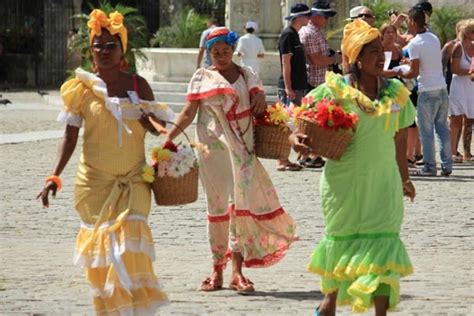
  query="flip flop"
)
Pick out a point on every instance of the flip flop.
point(289, 167)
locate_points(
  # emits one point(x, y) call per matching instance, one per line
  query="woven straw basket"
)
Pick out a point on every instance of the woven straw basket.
point(327, 143)
point(177, 191)
point(272, 142)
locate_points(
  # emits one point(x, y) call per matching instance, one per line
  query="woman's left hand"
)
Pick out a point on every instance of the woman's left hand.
point(409, 190)
point(258, 103)
point(151, 123)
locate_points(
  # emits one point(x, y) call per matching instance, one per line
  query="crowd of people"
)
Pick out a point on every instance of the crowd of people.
point(361, 257)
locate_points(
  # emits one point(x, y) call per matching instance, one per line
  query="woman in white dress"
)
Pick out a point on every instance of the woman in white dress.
point(461, 97)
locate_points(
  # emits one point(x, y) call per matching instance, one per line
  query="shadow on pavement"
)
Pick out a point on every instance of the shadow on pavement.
point(293, 295)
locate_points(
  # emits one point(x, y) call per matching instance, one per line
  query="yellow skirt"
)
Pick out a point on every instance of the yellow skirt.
point(119, 269)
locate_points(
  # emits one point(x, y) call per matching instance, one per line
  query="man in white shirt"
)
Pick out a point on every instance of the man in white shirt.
point(250, 47)
point(432, 109)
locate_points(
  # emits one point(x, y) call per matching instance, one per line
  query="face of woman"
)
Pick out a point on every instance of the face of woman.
point(106, 50)
point(221, 55)
point(372, 58)
point(389, 35)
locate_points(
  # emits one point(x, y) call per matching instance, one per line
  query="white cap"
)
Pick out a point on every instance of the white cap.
point(251, 25)
point(355, 11)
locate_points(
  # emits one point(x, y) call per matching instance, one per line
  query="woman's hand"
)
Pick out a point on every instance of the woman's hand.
point(48, 186)
point(258, 103)
point(152, 124)
point(409, 190)
point(296, 141)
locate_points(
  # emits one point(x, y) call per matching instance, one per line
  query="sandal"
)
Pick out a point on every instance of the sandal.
point(242, 285)
point(315, 163)
point(211, 284)
point(457, 159)
point(289, 167)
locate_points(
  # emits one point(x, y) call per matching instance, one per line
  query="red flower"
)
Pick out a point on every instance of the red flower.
point(170, 146)
point(329, 115)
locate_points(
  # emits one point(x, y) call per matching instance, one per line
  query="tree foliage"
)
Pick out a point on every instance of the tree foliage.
point(184, 31)
point(136, 27)
point(444, 20)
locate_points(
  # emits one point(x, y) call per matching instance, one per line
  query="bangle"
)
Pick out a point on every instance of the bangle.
point(56, 181)
point(406, 181)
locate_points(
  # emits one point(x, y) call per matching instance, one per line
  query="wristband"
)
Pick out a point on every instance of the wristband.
point(56, 181)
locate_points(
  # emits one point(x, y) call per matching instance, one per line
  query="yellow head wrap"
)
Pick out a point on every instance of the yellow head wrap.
point(356, 35)
point(114, 24)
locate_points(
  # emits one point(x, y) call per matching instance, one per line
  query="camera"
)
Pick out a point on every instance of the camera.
point(393, 12)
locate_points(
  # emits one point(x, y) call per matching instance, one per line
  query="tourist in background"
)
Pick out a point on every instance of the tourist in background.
point(250, 48)
point(461, 97)
point(211, 24)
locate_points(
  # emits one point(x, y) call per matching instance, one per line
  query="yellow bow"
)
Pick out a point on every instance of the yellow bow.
point(114, 24)
point(356, 35)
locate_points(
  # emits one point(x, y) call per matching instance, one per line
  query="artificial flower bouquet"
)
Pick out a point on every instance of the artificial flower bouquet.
point(272, 131)
point(174, 173)
point(328, 125)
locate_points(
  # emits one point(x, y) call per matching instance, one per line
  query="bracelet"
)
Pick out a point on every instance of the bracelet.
point(56, 181)
point(406, 181)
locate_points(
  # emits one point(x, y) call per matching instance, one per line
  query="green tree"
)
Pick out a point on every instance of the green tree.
point(137, 34)
point(443, 22)
point(184, 32)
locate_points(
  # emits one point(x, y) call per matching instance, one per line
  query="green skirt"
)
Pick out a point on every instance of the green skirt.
point(360, 267)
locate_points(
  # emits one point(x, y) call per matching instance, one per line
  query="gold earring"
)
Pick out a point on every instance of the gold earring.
point(359, 65)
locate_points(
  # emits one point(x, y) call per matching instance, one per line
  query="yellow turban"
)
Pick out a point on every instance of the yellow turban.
point(356, 35)
point(114, 24)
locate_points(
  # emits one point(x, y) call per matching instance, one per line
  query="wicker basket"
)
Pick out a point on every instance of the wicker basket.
point(272, 142)
point(177, 191)
point(327, 143)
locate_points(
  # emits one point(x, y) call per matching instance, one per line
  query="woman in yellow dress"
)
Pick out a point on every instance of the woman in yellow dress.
point(114, 244)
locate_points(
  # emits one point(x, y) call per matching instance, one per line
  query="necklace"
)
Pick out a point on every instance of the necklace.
point(364, 108)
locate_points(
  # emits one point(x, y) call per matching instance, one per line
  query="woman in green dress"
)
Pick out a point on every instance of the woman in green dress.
point(361, 258)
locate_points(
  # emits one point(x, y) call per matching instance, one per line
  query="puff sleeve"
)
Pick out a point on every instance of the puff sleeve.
point(72, 93)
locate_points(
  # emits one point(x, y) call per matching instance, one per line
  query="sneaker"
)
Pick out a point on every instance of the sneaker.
point(445, 173)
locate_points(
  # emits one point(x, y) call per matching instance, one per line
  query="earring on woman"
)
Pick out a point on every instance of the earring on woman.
point(359, 65)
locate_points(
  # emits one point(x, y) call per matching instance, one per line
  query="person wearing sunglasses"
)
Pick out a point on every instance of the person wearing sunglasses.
point(112, 197)
point(360, 12)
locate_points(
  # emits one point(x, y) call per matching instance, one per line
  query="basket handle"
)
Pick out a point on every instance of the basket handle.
point(181, 130)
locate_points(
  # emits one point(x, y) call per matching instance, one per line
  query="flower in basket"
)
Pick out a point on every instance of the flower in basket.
point(328, 115)
point(170, 160)
point(275, 115)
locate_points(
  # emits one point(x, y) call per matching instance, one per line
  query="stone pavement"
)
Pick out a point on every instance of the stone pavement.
point(37, 276)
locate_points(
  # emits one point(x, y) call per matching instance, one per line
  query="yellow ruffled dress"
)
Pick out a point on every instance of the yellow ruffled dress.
point(114, 244)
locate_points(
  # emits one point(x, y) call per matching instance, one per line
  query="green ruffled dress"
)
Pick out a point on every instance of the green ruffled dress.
point(362, 201)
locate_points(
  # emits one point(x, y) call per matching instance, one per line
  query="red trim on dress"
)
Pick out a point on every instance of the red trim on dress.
point(231, 116)
point(255, 90)
point(218, 218)
point(263, 217)
point(208, 94)
point(268, 260)
point(222, 266)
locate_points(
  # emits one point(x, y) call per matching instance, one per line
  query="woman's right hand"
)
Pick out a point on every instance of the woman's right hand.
point(48, 186)
point(296, 141)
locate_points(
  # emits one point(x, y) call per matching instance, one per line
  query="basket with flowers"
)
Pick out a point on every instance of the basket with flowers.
point(174, 173)
point(328, 125)
point(272, 133)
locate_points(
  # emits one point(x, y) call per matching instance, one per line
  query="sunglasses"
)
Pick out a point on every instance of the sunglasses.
point(366, 15)
point(98, 47)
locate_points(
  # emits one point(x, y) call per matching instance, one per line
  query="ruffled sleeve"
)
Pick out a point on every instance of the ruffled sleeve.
point(254, 84)
point(72, 92)
point(206, 84)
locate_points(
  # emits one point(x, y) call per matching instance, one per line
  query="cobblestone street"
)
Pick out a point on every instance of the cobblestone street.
point(37, 276)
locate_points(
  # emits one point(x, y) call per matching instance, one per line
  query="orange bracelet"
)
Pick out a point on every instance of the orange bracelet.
point(56, 181)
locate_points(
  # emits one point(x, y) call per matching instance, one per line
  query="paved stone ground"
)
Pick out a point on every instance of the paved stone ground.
point(37, 276)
